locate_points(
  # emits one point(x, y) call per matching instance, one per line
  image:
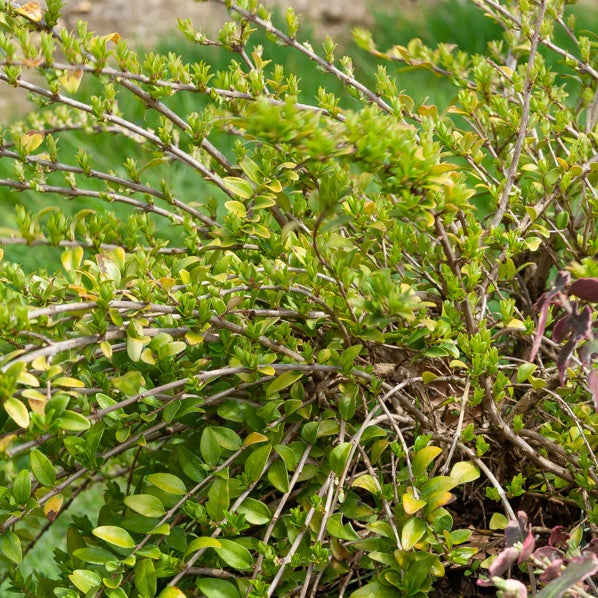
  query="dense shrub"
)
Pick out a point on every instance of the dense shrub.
point(306, 371)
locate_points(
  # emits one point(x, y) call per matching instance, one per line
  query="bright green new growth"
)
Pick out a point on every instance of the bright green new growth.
point(282, 376)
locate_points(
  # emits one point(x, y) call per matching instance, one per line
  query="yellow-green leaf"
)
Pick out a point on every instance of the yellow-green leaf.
point(114, 535)
point(411, 504)
point(423, 458)
point(17, 412)
point(238, 186)
point(367, 482)
point(203, 542)
point(31, 10)
point(167, 482)
point(463, 472)
point(85, 580)
point(145, 504)
point(31, 140)
point(412, 532)
point(28, 379)
point(71, 80)
point(68, 382)
point(498, 521)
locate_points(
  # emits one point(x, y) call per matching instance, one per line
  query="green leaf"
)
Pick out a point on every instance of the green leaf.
point(240, 187)
point(209, 447)
point(255, 511)
point(129, 384)
point(218, 499)
point(412, 532)
point(145, 504)
point(254, 466)
point(85, 580)
point(94, 555)
point(498, 521)
point(279, 476)
point(423, 458)
point(283, 381)
point(10, 547)
point(367, 482)
point(234, 555)
point(524, 371)
point(336, 529)
point(114, 535)
point(375, 589)
point(73, 422)
point(227, 439)
point(21, 487)
point(167, 482)
point(203, 542)
point(217, 588)
point(145, 578)
point(42, 468)
point(339, 456)
point(190, 464)
point(463, 472)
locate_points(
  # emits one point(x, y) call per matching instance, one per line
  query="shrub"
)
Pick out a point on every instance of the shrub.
point(282, 373)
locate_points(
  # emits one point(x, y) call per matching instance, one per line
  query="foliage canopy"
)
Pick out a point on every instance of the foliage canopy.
point(283, 373)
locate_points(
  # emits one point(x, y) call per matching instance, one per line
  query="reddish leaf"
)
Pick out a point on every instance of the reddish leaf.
point(503, 561)
point(561, 330)
point(581, 324)
point(585, 288)
point(564, 358)
point(553, 570)
point(528, 547)
point(558, 537)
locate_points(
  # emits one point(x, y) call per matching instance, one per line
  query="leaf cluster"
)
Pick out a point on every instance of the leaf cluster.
point(302, 371)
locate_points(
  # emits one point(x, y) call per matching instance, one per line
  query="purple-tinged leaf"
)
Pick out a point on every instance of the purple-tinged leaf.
point(552, 571)
point(585, 288)
point(558, 537)
point(593, 387)
point(484, 582)
point(561, 330)
point(581, 324)
point(577, 570)
point(544, 305)
point(503, 561)
point(517, 529)
point(563, 359)
point(527, 548)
